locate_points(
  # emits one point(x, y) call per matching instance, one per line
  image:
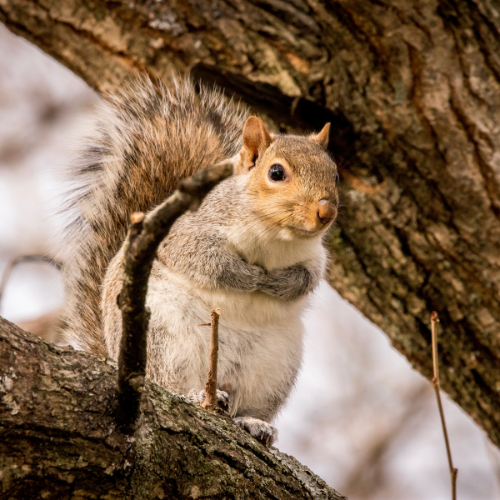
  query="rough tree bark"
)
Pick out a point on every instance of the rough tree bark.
point(59, 439)
point(412, 89)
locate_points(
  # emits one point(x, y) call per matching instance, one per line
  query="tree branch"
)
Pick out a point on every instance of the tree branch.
point(145, 235)
point(59, 438)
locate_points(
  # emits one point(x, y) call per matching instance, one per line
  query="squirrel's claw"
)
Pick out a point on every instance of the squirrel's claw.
point(258, 429)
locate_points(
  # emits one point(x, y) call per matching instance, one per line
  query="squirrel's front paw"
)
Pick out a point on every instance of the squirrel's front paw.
point(195, 396)
point(260, 430)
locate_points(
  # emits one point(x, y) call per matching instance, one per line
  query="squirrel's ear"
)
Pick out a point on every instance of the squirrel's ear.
point(323, 137)
point(256, 139)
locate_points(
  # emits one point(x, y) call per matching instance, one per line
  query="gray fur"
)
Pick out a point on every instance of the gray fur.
point(228, 255)
point(292, 282)
point(142, 141)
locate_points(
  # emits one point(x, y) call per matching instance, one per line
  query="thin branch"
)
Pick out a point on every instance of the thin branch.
point(495, 461)
point(210, 401)
point(145, 235)
point(18, 260)
point(40, 428)
point(437, 387)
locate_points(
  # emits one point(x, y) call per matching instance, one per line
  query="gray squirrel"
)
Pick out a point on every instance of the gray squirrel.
point(253, 248)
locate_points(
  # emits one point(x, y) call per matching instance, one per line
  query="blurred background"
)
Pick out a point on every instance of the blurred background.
point(360, 417)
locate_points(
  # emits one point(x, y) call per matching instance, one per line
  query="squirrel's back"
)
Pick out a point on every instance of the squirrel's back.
point(144, 141)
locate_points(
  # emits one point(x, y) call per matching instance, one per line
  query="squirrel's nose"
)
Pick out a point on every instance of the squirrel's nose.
point(327, 211)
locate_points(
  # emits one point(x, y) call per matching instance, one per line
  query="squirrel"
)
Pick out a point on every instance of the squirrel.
point(253, 248)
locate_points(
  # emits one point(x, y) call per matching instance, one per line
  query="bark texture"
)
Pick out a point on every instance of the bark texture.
point(59, 439)
point(412, 89)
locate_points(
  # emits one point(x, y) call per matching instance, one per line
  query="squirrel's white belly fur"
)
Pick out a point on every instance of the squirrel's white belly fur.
point(260, 341)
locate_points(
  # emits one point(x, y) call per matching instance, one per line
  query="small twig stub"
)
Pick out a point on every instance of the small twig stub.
point(210, 401)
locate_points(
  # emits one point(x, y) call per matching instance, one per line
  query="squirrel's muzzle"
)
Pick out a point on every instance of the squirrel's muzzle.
point(327, 211)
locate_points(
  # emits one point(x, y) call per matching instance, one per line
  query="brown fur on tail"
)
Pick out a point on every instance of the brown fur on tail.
point(145, 140)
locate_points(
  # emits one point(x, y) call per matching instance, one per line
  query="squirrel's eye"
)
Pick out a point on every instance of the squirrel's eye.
point(277, 172)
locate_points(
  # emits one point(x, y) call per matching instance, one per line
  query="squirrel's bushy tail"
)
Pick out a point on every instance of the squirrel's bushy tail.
point(144, 141)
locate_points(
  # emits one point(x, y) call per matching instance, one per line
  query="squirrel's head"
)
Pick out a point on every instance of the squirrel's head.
point(292, 179)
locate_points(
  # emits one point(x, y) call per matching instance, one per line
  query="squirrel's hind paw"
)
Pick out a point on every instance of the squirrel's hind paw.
point(197, 397)
point(260, 430)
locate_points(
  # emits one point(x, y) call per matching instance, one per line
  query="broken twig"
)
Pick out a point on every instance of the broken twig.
point(437, 387)
point(145, 235)
point(210, 401)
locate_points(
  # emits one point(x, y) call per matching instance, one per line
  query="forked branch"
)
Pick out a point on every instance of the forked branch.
point(145, 235)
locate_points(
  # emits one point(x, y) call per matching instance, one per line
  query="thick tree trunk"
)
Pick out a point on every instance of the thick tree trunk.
point(413, 93)
point(58, 437)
